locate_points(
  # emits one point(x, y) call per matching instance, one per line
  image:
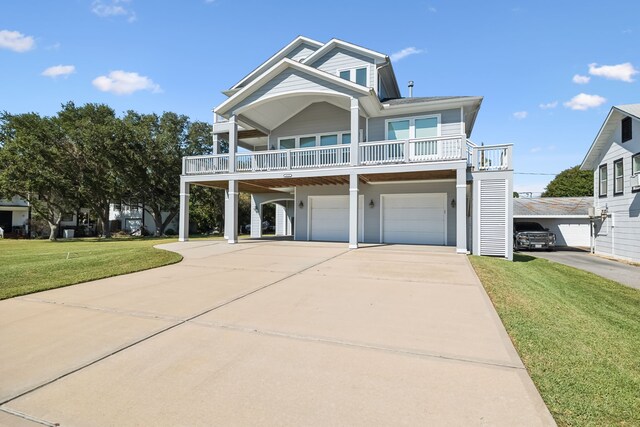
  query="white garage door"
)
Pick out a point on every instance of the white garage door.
point(414, 218)
point(575, 234)
point(329, 218)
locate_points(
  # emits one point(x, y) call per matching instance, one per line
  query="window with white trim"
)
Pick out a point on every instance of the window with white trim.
point(635, 164)
point(356, 75)
point(618, 177)
point(413, 128)
point(319, 140)
point(602, 180)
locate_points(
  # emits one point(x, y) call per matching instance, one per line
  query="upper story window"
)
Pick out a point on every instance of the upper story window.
point(635, 164)
point(356, 75)
point(618, 177)
point(626, 129)
point(414, 127)
point(603, 180)
point(309, 141)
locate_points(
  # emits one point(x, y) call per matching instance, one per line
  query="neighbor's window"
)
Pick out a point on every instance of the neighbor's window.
point(602, 174)
point(356, 75)
point(635, 164)
point(618, 177)
point(626, 129)
point(67, 217)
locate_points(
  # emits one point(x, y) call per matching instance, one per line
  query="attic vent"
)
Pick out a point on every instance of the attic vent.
point(410, 88)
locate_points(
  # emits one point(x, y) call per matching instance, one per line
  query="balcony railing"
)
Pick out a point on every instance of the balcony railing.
point(371, 153)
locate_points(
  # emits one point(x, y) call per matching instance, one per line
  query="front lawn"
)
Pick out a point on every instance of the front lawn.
point(28, 266)
point(577, 333)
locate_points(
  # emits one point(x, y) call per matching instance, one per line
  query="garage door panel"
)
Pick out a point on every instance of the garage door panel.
point(414, 218)
point(329, 218)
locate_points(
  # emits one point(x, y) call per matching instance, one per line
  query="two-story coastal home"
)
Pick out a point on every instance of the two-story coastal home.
point(614, 158)
point(322, 130)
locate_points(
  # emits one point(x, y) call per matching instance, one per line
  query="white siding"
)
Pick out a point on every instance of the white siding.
point(301, 52)
point(340, 59)
point(619, 235)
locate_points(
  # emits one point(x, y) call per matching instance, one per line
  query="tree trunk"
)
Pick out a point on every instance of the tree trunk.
point(157, 219)
point(53, 231)
point(168, 220)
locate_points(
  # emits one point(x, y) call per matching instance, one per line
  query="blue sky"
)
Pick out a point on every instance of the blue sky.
point(528, 59)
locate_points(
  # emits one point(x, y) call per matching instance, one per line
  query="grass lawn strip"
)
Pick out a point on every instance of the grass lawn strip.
point(578, 334)
point(36, 265)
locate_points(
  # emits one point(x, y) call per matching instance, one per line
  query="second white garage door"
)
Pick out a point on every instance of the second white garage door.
point(414, 218)
point(329, 218)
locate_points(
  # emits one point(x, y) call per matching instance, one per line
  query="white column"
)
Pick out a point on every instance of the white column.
point(226, 214)
point(183, 233)
point(355, 132)
point(461, 210)
point(233, 143)
point(233, 211)
point(256, 218)
point(353, 210)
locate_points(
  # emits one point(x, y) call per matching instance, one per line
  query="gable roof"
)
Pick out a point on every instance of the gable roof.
point(333, 43)
point(617, 113)
point(276, 70)
point(552, 207)
point(281, 54)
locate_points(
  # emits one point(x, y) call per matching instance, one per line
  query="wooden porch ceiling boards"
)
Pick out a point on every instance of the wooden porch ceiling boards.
point(245, 134)
point(272, 185)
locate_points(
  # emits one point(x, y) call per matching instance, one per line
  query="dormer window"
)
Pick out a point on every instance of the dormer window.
point(626, 129)
point(355, 75)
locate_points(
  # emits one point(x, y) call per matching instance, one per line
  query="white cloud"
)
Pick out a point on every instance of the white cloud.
point(584, 101)
point(397, 56)
point(581, 80)
point(520, 115)
point(16, 41)
point(549, 105)
point(54, 46)
point(623, 72)
point(113, 8)
point(59, 70)
point(125, 83)
point(535, 149)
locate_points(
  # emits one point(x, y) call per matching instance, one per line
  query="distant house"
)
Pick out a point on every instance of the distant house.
point(14, 217)
point(567, 217)
point(614, 158)
point(322, 130)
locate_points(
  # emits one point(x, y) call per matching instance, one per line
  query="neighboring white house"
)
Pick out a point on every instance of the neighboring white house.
point(322, 130)
point(130, 216)
point(567, 217)
point(14, 217)
point(614, 158)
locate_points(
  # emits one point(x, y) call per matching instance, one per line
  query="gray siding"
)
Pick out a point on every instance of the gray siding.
point(450, 123)
point(619, 235)
point(340, 59)
point(372, 215)
point(301, 52)
point(320, 117)
point(291, 80)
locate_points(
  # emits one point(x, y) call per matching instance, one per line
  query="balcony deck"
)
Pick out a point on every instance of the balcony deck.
point(424, 150)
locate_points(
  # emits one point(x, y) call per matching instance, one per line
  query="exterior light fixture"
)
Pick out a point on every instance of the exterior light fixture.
point(453, 203)
point(371, 204)
point(301, 205)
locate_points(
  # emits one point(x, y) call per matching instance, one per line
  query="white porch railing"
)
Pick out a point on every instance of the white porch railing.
point(479, 158)
point(198, 165)
point(411, 150)
point(490, 157)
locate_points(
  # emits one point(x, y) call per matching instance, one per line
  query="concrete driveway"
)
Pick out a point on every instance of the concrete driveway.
point(626, 274)
point(267, 333)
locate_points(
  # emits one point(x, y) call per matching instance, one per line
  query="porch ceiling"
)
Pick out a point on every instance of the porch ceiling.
point(284, 184)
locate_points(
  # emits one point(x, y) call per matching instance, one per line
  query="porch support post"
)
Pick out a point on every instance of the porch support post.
point(461, 210)
point(256, 218)
point(183, 229)
point(232, 211)
point(353, 210)
point(226, 214)
point(216, 144)
point(233, 143)
point(355, 132)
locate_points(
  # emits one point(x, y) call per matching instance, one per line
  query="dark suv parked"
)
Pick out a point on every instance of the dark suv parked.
point(531, 235)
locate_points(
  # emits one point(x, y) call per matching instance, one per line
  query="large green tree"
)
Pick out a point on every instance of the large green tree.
point(152, 160)
point(571, 182)
point(35, 166)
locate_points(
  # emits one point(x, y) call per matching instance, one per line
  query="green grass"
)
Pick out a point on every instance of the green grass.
point(28, 266)
point(578, 335)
